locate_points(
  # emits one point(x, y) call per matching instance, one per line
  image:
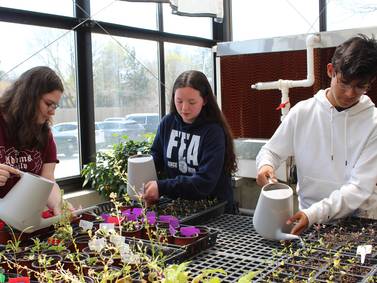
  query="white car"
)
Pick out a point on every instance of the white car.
point(66, 137)
point(149, 121)
point(115, 119)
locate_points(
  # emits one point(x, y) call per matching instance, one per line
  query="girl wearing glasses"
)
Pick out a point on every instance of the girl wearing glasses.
point(26, 141)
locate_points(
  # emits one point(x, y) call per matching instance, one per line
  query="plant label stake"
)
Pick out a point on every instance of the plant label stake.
point(86, 225)
point(107, 226)
point(117, 240)
point(363, 250)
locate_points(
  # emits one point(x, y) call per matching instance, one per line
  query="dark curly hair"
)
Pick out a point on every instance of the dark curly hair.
point(19, 106)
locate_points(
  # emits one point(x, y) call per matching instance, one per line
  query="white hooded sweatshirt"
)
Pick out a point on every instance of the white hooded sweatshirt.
point(335, 154)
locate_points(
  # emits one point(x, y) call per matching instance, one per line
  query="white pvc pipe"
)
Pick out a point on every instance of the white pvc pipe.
point(285, 85)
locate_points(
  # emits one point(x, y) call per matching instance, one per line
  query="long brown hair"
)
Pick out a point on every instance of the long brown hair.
point(210, 111)
point(19, 106)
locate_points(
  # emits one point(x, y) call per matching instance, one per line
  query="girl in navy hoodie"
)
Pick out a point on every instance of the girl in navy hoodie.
point(193, 146)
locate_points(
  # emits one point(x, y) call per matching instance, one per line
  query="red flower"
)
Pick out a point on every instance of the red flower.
point(20, 279)
point(47, 213)
point(114, 219)
point(53, 241)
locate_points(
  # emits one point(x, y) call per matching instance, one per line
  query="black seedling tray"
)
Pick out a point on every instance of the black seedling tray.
point(240, 250)
point(196, 218)
point(202, 244)
point(171, 253)
point(311, 269)
point(204, 216)
point(233, 265)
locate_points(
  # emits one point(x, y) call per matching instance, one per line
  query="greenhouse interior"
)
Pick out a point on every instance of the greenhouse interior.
point(180, 141)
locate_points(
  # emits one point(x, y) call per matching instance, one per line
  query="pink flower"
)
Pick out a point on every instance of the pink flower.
point(189, 231)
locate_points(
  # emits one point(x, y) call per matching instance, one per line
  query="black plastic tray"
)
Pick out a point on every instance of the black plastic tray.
point(198, 218)
point(172, 253)
point(199, 245)
point(239, 250)
point(205, 216)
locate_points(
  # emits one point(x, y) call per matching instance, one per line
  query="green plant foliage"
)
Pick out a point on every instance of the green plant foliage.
point(176, 273)
point(209, 276)
point(109, 173)
point(247, 277)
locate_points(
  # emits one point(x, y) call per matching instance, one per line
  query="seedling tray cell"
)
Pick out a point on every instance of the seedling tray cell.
point(170, 254)
point(339, 277)
point(234, 266)
point(192, 212)
point(238, 237)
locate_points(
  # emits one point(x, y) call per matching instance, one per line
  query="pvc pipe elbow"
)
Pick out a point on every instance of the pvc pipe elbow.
point(311, 39)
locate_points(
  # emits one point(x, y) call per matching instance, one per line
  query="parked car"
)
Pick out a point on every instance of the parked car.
point(114, 130)
point(149, 121)
point(114, 119)
point(66, 137)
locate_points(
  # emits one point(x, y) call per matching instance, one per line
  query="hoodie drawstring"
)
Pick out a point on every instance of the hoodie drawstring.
point(345, 138)
point(331, 134)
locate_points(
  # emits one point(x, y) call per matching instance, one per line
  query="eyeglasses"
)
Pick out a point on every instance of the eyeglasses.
point(345, 87)
point(51, 105)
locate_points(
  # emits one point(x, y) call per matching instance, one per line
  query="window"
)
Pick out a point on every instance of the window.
point(125, 13)
point(271, 18)
point(125, 70)
point(61, 7)
point(346, 14)
point(125, 82)
point(24, 41)
point(194, 26)
point(180, 58)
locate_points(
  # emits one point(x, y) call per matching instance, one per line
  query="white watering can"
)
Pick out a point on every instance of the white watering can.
point(141, 170)
point(23, 205)
point(274, 207)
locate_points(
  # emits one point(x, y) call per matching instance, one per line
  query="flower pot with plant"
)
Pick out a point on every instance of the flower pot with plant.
point(107, 174)
point(186, 235)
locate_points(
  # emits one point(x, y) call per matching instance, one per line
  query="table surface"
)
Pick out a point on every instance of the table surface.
point(239, 250)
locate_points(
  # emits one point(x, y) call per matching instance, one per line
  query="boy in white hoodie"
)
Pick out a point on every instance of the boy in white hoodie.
point(333, 138)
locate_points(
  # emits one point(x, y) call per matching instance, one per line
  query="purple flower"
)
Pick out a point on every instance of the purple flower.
point(151, 217)
point(165, 218)
point(170, 219)
point(172, 230)
point(132, 217)
point(174, 222)
point(189, 231)
point(105, 216)
point(126, 212)
point(137, 211)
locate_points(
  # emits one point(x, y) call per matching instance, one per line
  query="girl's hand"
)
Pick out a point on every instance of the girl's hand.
point(151, 194)
point(5, 173)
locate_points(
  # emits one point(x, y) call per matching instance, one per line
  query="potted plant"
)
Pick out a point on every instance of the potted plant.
point(107, 174)
point(185, 235)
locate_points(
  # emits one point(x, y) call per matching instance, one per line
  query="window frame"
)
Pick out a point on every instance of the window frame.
point(84, 70)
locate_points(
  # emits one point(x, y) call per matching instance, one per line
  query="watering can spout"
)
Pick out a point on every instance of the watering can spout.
point(287, 236)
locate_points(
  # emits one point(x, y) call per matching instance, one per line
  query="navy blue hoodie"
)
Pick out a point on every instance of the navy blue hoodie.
point(192, 156)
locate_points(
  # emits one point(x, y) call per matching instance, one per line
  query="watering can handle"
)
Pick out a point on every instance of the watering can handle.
point(271, 180)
